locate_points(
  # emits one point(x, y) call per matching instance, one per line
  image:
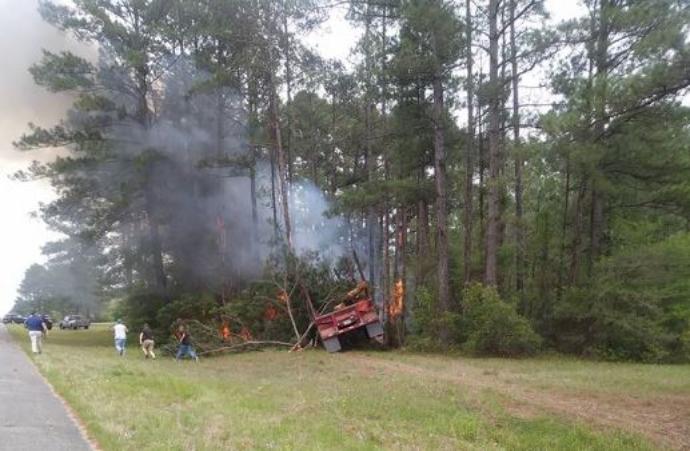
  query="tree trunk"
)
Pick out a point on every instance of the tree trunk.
point(253, 117)
point(469, 169)
point(564, 225)
point(155, 241)
point(441, 204)
point(288, 88)
point(422, 242)
point(519, 237)
point(481, 150)
point(577, 233)
point(601, 62)
point(370, 158)
point(274, 200)
point(381, 255)
point(492, 228)
point(280, 153)
point(143, 115)
point(423, 229)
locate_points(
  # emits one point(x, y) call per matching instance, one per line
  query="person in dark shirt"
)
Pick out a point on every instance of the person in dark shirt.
point(185, 344)
point(146, 342)
point(37, 329)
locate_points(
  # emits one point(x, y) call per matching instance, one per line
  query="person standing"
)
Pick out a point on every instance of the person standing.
point(37, 329)
point(120, 331)
point(146, 341)
point(185, 342)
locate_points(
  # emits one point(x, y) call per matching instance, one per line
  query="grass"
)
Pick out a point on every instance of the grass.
point(313, 400)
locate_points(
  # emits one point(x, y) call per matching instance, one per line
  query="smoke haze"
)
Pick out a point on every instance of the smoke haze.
point(23, 34)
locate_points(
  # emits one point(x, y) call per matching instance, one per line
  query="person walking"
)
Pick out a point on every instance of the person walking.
point(120, 331)
point(146, 341)
point(185, 342)
point(37, 329)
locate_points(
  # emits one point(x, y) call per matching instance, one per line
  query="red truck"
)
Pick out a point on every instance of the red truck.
point(347, 318)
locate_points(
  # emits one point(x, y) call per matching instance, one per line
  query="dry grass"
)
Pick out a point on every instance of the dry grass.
point(355, 400)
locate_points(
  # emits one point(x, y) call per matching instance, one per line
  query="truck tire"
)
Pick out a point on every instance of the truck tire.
point(374, 330)
point(332, 344)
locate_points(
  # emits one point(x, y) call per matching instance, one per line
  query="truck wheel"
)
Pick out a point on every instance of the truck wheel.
point(86, 327)
point(374, 330)
point(332, 344)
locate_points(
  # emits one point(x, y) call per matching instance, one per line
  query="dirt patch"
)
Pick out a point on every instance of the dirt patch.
point(665, 420)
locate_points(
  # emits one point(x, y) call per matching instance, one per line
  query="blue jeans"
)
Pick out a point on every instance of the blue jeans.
point(184, 350)
point(120, 345)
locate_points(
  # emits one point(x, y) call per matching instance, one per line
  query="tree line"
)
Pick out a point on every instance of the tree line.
point(469, 143)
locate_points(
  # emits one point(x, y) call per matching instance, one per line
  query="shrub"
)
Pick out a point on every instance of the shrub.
point(493, 327)
point(610, 322)
point(637, 306)
point(137, 308)
point(426, 322)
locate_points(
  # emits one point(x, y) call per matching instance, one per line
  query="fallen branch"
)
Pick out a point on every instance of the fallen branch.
point(298, 346)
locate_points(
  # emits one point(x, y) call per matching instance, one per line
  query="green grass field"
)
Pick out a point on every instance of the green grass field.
point(362, 400)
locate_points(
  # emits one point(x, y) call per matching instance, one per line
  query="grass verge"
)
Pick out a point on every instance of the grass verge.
point(309, 400)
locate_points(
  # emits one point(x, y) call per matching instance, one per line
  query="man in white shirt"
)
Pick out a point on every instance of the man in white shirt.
point(120, 337)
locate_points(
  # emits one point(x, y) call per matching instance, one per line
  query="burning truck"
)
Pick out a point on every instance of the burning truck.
point(356, 311)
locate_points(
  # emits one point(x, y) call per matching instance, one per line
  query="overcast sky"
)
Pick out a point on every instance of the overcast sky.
point(22, 36)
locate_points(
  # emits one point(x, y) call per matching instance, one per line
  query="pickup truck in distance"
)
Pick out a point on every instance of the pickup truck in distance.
point(74, 322)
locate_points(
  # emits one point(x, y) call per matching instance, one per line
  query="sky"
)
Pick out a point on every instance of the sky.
point(22, 36)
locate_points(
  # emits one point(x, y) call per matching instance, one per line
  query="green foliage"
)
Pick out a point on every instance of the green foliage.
point(493, 327)
point(636, 308)
point(139, 307)
point(487, 326)
point(427, 321)
point(63, 72)
point(613, 323)
point(605, 182)
point(308, 278)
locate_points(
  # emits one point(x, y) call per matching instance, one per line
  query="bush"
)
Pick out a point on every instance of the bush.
point(247, 310)
point(137, 308)
point(637, 306)
point(612, 323)
point(426, 323)
point(493, 327)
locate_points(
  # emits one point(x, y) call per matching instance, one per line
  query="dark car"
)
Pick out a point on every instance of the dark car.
point(74, 322)
point(13, 318)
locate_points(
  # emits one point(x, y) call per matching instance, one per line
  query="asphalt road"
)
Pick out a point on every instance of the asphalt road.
point(31, 416)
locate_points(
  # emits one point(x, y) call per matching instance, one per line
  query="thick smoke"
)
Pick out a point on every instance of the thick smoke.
point(315, 229)
point(194, 165)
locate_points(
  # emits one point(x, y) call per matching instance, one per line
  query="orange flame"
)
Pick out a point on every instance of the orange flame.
point(395, 308)
point(245, 334)
point(270, 313)
point(225, 331)
point(283, 297)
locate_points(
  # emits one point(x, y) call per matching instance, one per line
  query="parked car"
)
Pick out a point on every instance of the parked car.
point(13, 318)
point(74, 322)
